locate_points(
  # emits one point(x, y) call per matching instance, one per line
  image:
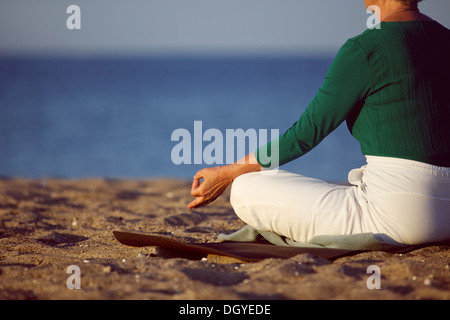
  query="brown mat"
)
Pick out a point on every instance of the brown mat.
point(245, 251)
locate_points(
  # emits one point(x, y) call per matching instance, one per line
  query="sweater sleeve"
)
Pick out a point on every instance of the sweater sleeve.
point(344, 88)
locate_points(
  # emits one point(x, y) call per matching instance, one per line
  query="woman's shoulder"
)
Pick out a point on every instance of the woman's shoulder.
point(357, 43)
point(365, 38)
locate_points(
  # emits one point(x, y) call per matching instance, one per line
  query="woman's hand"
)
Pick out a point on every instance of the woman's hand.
point(216, 180)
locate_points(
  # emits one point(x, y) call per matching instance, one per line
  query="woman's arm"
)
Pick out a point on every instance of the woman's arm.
point(343, 91)
point(217, 179)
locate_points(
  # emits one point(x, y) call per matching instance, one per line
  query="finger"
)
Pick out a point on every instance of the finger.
point(198, 175)
point(198, 202)
point(196, 183)
point(201, 202)
point(198, 190)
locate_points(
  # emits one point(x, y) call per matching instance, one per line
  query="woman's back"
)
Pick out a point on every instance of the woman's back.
point(406, 111)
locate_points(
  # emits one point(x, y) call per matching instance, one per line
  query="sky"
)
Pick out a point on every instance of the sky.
point(158, 27)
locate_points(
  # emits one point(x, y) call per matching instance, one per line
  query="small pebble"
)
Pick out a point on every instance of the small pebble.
point(169, 195)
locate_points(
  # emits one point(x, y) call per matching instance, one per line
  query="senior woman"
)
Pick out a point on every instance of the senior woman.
point(390, 84)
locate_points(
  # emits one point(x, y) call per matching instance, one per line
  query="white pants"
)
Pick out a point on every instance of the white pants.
point(398, 200)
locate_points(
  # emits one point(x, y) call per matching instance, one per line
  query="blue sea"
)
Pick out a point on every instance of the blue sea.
point(114, 117)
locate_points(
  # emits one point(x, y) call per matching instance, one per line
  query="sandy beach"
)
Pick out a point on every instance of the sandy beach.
point(48, 225)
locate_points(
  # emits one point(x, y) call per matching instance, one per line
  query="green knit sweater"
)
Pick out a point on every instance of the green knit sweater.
point(392, 87)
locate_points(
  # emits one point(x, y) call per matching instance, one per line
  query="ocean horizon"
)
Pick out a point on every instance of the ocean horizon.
point(114, 117)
